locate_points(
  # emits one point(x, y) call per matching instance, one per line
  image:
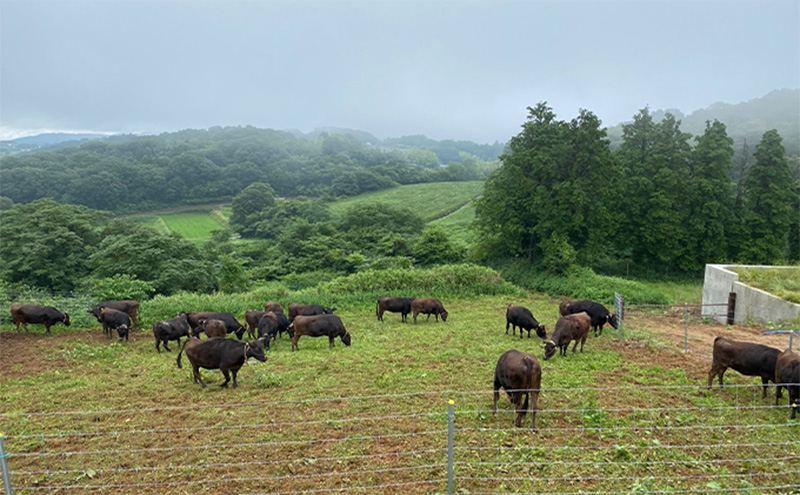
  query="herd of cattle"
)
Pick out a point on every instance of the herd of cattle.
point(519, 373)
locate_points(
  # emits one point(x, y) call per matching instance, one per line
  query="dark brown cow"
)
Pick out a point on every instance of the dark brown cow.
point(195, 317)
point(330, 326)
point(113, 319)
point(400, 305)
point(213, 328)
point(308, 310)
point(428, 306)
point(129, 307)
point(520, 375)
point(596, 311)
point(519, 316)
point(273, 306)
point(251, 318)
point(172, 329)
point(745, 357)
point(226, 355)
point(29, 313)
point(268, 326)
point(568, 328)
point(787, 372)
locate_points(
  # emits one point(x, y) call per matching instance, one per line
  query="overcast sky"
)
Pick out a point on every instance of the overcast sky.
point(446, 69)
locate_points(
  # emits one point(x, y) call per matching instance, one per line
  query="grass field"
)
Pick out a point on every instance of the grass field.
point(626, 416)
point(195, 223)
point(783, 282)
point(458, 223)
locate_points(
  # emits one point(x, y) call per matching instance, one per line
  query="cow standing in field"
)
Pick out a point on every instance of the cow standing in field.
point(568, 328)
point(519, 316)
point(308, 310)
point(400, 305)
point(226, 355)
point(251, 318)
point(172, 329)
point(745, 357)
point(520, 375)
point(213, 328)
point(194, 318)
point(129, 307)
point(330, 326)
point(113, 319)
point(428, 306)
point(273, 306)
point(45, 315)
point(596, 311)
point(787, 371)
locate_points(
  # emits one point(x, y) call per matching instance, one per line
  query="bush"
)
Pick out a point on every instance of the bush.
point(118, 288)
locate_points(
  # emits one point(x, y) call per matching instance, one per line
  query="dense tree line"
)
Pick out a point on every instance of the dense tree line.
point(126, 173)
point(662, 198)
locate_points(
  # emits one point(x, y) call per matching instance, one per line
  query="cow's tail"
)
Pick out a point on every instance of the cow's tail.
point(178, 359)
point(529, 368)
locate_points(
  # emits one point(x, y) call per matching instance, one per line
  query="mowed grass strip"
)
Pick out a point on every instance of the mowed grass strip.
point(430, 201)
point(458, 225)
point(374, 413)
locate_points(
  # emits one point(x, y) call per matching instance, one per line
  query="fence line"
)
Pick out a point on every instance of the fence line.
point(627, 492)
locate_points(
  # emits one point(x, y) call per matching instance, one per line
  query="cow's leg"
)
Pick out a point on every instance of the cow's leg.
point(415, 316)
point(601, 329)
point(496, 395)
point(167, 348)
point(158, 343)
point(17, 325)
point(518, 408)
point(47, 326)
point(428, 318)
point(576, 345)
point(532, 409)
point(779, 394)
point(295, 338)
point(227, 377)
point(330, 341)
point(233, 372)
point(764, 384)
point(583, 341)
point(197, 377)
point(716, 370)
point(507, 324)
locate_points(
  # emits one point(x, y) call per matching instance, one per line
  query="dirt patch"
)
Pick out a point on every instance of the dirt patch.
point(30, 354)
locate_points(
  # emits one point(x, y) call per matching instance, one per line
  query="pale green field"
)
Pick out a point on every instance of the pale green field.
point(194, 223)
point(457, 224)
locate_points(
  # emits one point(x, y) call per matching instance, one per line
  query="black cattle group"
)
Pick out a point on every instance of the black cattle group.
point(519, 373)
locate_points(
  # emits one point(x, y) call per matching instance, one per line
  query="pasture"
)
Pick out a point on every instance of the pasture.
point(195, 223)
point(627, 416)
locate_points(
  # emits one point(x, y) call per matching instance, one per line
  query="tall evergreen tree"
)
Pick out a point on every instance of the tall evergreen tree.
point(768, 203)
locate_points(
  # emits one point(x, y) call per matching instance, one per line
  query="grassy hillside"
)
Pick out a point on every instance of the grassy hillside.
point(430, 201)
point(457, 223)
point(195, 223)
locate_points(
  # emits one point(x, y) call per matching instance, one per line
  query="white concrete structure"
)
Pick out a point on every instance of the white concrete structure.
point(751, 304)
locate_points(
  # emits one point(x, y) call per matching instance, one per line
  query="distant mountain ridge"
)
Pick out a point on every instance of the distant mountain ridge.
point(46, 140)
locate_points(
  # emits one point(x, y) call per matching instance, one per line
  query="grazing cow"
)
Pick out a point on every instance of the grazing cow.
point(319, 326)
point(745, 357)
point(29, 313)
point(308, 310)
point(273, 306)
point(226, 355)
point(195, 317)
point(268, 326)
point(173, 329)
point(213, 328)
point(129, 307)
point(568, 328)
point(520, 375)
point(787, 371)
point(251, 318)
point(400, 305)
point(283, 325)
point(518, 316)
point(231, 324)
point(596, 311)
point(428, 306)
point(113, 319)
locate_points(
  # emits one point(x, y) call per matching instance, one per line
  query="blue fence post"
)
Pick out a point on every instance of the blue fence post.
point(4, 464)
point(450, 434)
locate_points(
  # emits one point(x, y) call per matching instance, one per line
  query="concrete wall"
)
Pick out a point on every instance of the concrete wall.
point(751, 304)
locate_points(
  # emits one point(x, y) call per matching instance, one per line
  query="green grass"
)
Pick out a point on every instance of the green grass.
point(457, 225)
point(194, 223)
point(430, 201)
point(782, 282)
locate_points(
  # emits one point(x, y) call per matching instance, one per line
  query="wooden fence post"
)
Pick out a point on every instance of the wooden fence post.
point(731, 307)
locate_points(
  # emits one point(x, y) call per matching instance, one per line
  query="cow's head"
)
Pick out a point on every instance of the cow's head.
point(66, 319)
point(346, 338)
point(444, 315)
point(612, 320)
point(549, 349)
point(96, 312)
point(540, 332)
point(240, 332)
point(255, 349)
point(328, 311)
point(122, 331)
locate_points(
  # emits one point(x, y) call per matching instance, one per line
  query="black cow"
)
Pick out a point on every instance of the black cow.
point(787, 371)
point(428, 306)
point(113, 319)
point(308, 310)
point(129, 307)
point(519, 316)
point(400, 305)
point(596, 311)
point(251, 318)
point(520, 375)
point(173, 329)
point(195, 318)
point(268, 327)
point(231, 324)
point(283, 324)
point(568, 328)
point(330, 326)
point(745, 357)
point(226, 355)
point(29, 313)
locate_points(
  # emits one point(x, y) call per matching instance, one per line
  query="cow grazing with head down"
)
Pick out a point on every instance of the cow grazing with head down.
point(568, 328)
point(268, 327)
point(596, 311)
point(226, 355)
point(400, 305)
point(173, 329)
point(745, 357)
point(113, 319)
point(231, 323)
point(129, 307)
point(308, 310)
point(195, 318)
point(520, 375)
point(518, 316)
point(787, 375)
point(45, 315)
point(213, 328)
point(428, 306)
point(330, 326)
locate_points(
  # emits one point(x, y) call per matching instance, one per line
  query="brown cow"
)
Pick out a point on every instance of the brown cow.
point(29, 313)
point(429, 306)
point(745, 357)
point(226, 355)
point(400, 305)
point(273, 306)
point(568, 328)
point(213, 328)
point(251, 318)
point(129, 307)
point(330, 326)
point(787, 371)
point(520, 375)
point(195, 317)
